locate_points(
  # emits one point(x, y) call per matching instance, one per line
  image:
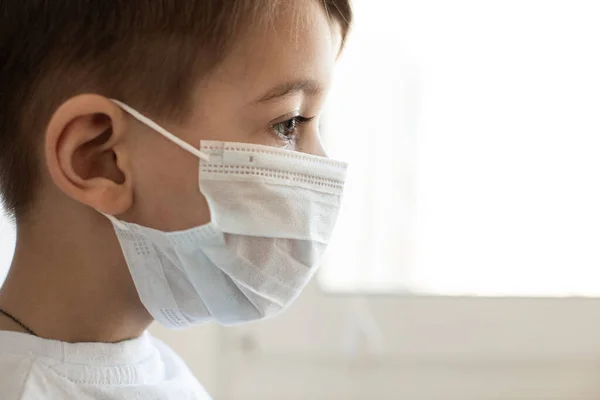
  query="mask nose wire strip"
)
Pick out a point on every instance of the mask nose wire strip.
point(151, 124)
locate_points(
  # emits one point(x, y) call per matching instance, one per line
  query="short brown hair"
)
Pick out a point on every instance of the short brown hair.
point(148, 53)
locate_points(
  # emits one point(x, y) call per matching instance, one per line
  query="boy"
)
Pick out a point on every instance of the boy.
point(161, 159)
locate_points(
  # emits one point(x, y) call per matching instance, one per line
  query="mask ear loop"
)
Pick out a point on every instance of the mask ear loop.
point(153, 125)
point(115, 221)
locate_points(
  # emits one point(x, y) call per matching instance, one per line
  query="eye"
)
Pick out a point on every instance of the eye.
point(288, 130)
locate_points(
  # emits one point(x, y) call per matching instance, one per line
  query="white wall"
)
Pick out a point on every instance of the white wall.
point(404, 348)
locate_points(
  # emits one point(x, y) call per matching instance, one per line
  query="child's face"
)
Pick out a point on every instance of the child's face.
point(274, 77)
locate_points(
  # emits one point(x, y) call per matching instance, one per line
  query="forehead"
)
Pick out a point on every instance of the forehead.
point(296, 42)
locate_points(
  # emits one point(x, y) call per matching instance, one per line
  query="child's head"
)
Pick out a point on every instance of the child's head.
point(253, 71)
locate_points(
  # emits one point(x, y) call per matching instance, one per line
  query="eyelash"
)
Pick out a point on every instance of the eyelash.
point(297, 121)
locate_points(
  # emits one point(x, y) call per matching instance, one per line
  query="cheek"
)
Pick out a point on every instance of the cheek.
point(166, 193)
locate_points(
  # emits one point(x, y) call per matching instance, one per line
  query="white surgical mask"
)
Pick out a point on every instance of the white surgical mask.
point(272, 215)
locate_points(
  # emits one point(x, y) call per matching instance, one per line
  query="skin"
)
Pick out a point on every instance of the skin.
point(69, 280)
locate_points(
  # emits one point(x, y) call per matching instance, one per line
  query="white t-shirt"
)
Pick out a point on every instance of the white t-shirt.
point(140, 369)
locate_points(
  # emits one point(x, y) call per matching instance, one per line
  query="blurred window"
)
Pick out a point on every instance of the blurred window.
point(473, 132)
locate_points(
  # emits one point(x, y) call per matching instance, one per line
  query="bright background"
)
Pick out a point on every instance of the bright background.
point(469, 236)
point(472, 129)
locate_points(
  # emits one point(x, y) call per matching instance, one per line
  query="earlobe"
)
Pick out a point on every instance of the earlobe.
point(86, 153)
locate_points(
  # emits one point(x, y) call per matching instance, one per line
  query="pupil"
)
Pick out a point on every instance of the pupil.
point(290, 125)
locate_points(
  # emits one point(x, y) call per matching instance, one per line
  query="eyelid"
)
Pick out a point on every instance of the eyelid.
point(286, 117)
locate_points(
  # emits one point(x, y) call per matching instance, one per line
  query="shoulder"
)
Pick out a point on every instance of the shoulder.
point(15, 376)
point(174, 364)
point(175, 368)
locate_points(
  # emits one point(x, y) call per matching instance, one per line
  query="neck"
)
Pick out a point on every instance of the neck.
point(72, 286)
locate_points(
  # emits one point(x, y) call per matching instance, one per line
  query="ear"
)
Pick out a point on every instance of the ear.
point(86, 153)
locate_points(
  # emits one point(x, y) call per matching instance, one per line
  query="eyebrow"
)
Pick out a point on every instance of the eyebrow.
point(306, 86)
